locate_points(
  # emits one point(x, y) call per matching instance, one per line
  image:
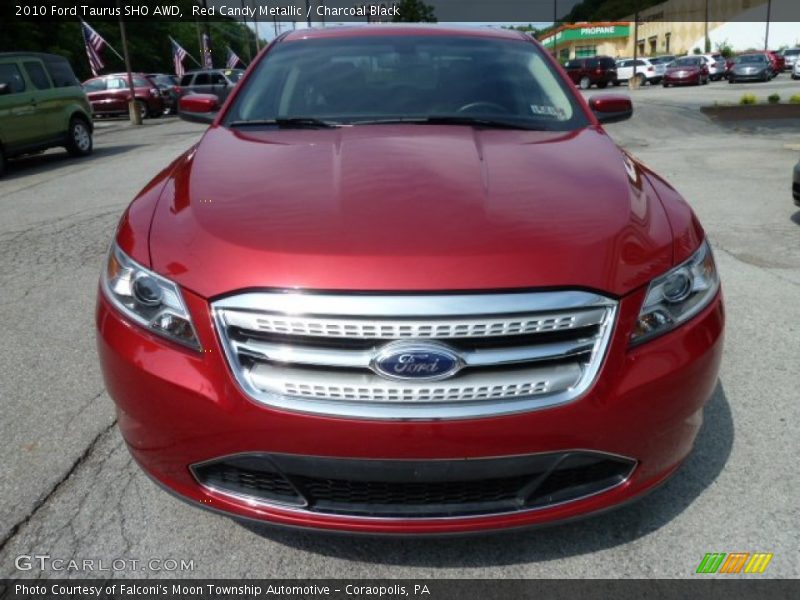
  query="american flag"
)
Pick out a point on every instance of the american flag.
point(178, 54)
point(207, 62)
point(94, 44)
point(233, 60)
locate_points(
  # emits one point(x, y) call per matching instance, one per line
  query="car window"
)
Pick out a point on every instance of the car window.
point(11, 76)
point(202, 79)
point(625, 63)
point(116, 83)
point(687, 61)
point(186, 79)
point(218, 79)
point(408, 77)
point(94, 85)
point(61, 73)
point(37, 75)
point(641, 63)
point(139, 82)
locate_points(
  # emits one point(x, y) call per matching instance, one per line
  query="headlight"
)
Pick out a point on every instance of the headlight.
point(148, 299)
point(677, 296)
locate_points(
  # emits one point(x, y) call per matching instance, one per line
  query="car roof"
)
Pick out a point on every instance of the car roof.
point(397, 29)
point(40, 55)
point(193, 71)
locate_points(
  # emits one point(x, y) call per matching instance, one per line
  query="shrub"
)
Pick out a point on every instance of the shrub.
point(773, 98)
point(697, 51)
point(795, 99)
point(748, 99)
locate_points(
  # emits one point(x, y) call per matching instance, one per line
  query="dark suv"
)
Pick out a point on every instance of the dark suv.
point(595, 70)
point(219, 82)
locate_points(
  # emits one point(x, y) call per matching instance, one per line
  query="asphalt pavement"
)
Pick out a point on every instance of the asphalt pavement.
point(70, 490)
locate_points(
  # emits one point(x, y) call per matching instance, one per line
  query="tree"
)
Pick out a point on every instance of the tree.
point(414, 11)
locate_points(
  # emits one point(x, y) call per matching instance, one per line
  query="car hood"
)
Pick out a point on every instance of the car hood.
point(408, 207)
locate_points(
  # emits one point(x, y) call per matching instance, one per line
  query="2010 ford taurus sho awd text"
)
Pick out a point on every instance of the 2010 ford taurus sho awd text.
point(406, 283)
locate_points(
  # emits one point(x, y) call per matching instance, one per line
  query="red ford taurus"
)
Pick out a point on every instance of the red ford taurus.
point(406, 283)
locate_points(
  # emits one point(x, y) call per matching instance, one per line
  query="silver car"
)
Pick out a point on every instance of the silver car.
point(796, 183)
point(751, 67)
point(796, 70)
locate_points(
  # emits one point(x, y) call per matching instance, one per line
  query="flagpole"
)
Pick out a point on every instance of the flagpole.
point(187, 53)
point(107, 44)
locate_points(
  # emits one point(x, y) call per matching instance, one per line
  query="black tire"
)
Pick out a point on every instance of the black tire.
point(617, 83)
point(79, 137)
point(731, 79)
point(585, 83)
point(642, 79)
point(602, 85)
point(2, 163)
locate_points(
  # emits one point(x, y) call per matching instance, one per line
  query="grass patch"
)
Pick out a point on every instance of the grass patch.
point(795, 99)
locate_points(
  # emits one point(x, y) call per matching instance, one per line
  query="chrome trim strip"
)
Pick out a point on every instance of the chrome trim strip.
point(259, 502)
point(361, 359)
point(369, 388)
point(381, 328)
point(398, 305)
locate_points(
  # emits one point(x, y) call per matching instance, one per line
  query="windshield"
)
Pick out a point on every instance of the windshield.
point(752, 58)
point(387, 78)
point(687, 62)
point(234, 75)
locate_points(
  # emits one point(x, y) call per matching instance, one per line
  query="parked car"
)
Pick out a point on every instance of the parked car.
point(777, 61)
point(646, 71)
point(219, 82)
point(751, 67)
point(796, 184)
point(42, 106)
point(109, 95)
point(716, 66)
point(796, 70)
point(320, 346)
point(596, 70)
point(168, 87)
point(790, 58)
point(687, 70)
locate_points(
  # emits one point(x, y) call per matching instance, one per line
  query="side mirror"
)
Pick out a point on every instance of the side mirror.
point(4, 89)
point(198, 108)
point(611, 108)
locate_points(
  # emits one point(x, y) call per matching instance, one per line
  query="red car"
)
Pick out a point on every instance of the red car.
point(109, 95)
point(368, 301)
point(687, 70)
point(777, 61)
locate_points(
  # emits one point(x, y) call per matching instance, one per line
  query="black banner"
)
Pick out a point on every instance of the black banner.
point(348, 11)
point(731, 588)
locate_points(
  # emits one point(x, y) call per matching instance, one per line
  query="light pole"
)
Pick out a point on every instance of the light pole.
point(133, 109)
point(766, 35)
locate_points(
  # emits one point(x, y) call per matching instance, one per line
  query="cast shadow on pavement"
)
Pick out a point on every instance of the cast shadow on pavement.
point(58, 159)
point(712, 449)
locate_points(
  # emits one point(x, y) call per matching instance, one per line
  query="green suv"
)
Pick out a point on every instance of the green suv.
point(42, 105)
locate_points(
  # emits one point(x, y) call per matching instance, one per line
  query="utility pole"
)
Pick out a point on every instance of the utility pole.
point(635, 42)
point(555, 26)
point(247, 40)
point(133, 109)
point(207, 30)
point(707, 43)
point(258, 42)
point(308, 13)
point(766, 36)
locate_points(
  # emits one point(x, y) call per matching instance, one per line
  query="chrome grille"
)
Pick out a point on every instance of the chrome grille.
point(315, 352)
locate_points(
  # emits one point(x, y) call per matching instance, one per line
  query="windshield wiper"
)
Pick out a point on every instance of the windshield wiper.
point(287, 122)
point(486, 122)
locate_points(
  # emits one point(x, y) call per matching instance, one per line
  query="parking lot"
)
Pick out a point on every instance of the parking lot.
point(70, 490)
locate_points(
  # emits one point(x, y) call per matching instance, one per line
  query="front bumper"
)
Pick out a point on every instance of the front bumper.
point(688, 80)
point(179, 408)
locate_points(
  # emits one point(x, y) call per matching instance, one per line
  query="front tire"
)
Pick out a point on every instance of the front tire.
point(79, 137)
point(2, 162)
point(602, 85)
point(141, 107)
point(585, 83)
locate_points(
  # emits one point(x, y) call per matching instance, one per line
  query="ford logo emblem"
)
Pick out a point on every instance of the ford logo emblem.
point(418, 361)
